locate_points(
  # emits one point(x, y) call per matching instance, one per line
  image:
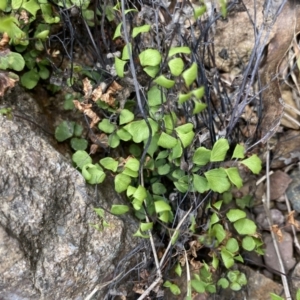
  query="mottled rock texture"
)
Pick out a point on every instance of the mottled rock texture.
point(48, 249)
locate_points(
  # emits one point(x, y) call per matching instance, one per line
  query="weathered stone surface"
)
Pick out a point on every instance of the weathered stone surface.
point(286, 251)
point(48, 249)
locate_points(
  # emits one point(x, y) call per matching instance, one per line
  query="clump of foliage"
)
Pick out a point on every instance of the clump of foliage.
point(156, 154)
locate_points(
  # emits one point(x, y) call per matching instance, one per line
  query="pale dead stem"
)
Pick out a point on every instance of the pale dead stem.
point(266, 202)
point(296, 242)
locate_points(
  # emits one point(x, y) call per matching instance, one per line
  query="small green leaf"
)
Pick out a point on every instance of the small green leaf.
point(233, 275)
point(253, 163)
point(12, 60)
point(31, 6)
point(248, 243)
point(298, 294)
point(130, 173)
point(164, 169)
point(81, 158)
point(78, 129)
point(140, 193)
point(177, 151)
point(132, 164)
point(186, 138)
point(139, 129)
point(242, 280)
point(234, 177)
point(217, 180)
point(223, 282)
point(232, 245)
point(64, 131)
point(99, 212)
point(126, 116)
point(201, 156)
point(3, 5)
point(106, 126)
point(125, 53)
point(178, 270)
point(235, 286)
point(219, 150)
point(113, 140)
point(199, 11)
point(198, 286)
point(176, 50)
point(184, 97)
point(151, 70)
point(235, 214)
point(43, 72)
point(118, 31)
point(123, 135)
point(158, 188)
point(166, 141)
point(119, 209)
point(176, 66)
point(120, 65)
point(239, 151)
point(174, 237)
point(139, 234)
point(140, 29)
point(146, 226)
point(245, 226)
point(79, 143)
point(164, 82)
point(182, 184)
point(150, 57)
point(161, 206)
point(199, 93)
point(198, 107)
point(42, 35)
point(218, 232)
point(200, 183)
point(190, 74)
point(214, 219)
point(276, 297)
point(122, 181)
point(227, 258)
point(30, 79)
point(93, 174)
point(185, 128)
point(155, 96)
point(109, 164)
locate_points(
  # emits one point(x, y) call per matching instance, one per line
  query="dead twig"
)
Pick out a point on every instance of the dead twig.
point(266, 202)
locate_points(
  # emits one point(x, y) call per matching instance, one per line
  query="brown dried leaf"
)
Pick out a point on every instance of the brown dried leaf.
point(279, 182)
point(108, 99)
point(115, 87)
point(291, 220)
point(4, 41)
point(94, 148)
point(195, 264)
point(144, 274)
point(24, 16)
point(87, 88)
point(249, 116)
point(97, 93)
point(138, 288)
point(287, 97)
point(6, 83)
point(86, 109)
point(286, 25)
point(278, 232)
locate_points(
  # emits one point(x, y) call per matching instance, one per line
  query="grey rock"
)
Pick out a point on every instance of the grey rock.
point(293, 191)
point(286, 251)
point(295, 280)
point(276, 216)
point(48, 248)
